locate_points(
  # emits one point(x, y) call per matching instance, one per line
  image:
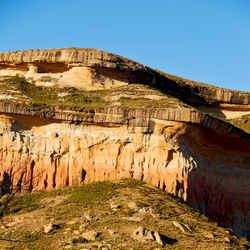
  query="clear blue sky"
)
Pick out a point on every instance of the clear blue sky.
point(203, 40)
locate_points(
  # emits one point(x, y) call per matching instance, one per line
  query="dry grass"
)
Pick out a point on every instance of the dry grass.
point(243, 122)
point(130, 96)
point(67, 208)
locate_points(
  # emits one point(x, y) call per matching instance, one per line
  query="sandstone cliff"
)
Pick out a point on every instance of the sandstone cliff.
point(55, 61)
point(171, 145)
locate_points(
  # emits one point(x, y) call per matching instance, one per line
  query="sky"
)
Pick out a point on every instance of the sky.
point(202, 40)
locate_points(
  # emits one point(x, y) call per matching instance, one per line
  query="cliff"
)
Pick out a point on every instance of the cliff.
point(54, 61)
point(86, 117)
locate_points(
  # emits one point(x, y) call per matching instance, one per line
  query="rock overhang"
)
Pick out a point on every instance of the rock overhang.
point(184, 151)
point(110, 67)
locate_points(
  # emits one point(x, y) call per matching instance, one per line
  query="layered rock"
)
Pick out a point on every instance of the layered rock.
point(56, 66)
point(190, 154)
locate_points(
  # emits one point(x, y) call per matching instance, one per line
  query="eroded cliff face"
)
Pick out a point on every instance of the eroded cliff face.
point(79, 77)
point(168, 143)
point(104, 70)
point(208, 172)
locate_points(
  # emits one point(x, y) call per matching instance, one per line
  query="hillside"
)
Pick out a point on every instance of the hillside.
point(116, 211)
point(77, 116)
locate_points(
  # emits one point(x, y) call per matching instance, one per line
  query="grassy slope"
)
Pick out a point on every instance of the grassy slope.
point(67, 208)
point(131, 96)
point(242, 122)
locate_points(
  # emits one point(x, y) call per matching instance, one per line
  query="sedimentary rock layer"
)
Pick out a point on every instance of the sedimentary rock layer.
point(190, 155)
point(117, 115)
point(199, 158)
point(112, 67)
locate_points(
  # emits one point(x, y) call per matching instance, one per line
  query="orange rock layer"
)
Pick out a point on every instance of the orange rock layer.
point(202, 166)
point(190, 154)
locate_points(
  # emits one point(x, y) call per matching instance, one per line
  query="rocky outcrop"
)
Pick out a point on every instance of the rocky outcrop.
point(190, 154)
point(225, 111)
point(118, 115)
point(57, 66)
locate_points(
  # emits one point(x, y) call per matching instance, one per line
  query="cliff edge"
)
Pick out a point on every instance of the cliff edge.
point(73, 116)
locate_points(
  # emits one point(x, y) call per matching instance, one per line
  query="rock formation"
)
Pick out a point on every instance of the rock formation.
point(190, 154)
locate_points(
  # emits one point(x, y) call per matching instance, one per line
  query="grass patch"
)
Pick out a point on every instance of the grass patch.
point(242, 122)
point(24, 237)
point(27, 202)
point(96, 192)
point(50, 95)
point(79, 240)
point(83, 194)
point(130, 96)
point(131, 183)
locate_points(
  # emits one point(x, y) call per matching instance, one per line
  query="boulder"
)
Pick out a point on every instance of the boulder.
point(50, 227)
point(90, 235)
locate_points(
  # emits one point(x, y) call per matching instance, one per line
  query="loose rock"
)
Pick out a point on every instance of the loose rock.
point(89, 217)
point(71, 222)
point(146, 210)
point(160, 239)
point(133, 206)
point(83, 226)
point(178, 225)
point(68, 247)
point(188, 228)
point(143, 233)
point(208, 235)
point(114, 205)
point(142, 210)
point(90, 235)
point(111, 232)
point(50, 227)
point(153, 213)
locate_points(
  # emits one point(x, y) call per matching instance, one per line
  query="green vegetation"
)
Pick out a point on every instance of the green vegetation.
point(130, 96)
point(26, 91)
point(96, 192)
point(79, 240)
point(83, 194)
point(242, 122)
point(68, 208)
point(179, 79)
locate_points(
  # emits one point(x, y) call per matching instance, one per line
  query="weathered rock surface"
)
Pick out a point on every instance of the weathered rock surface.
point(192, 155)
point(90, 235)
point(142, 233)
point(90, 68)
point(183, 228)
point(47, 154)
point(50, 228)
